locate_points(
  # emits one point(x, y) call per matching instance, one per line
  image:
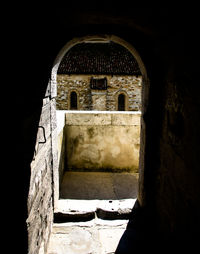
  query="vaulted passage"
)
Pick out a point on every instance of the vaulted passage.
point(98, 150)
point(77, 119)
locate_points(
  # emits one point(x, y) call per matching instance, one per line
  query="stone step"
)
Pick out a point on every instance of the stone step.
point(85, 210)
point(61, 217)
point(95, 236)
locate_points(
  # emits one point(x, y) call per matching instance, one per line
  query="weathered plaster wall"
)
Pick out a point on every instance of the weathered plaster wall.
point(99, 100)
point(102, 141)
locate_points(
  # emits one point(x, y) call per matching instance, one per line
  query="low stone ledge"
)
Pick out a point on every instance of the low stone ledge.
point(88, 118)
point(73, 217)
point(115, 209)
point(102, 209)
point(113, 215)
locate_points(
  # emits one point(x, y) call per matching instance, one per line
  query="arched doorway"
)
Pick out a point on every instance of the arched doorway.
point(145, 89)
point(68, 210)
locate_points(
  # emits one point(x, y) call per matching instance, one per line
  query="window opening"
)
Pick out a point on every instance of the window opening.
point(73, 101)
point(121, 102)
point(98, 83)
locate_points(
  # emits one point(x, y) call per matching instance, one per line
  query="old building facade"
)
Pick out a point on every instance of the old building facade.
point(99, 76)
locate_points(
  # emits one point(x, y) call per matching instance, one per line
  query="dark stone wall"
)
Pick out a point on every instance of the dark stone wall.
point(171, 174)
point(177, 177)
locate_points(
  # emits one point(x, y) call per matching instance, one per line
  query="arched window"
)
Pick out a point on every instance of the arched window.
point(73, 100)
point(121, 102)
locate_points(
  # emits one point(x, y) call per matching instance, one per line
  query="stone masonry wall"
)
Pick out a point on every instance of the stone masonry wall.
point(89, 99)
point(40, 199)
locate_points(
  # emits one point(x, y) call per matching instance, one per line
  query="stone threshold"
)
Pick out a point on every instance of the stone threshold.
point(70, 210)
point(62, 228)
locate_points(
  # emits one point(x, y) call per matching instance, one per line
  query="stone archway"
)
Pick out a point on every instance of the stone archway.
point(145, 91)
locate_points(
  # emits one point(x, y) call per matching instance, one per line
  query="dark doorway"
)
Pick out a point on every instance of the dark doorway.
point(73, 101)
point(121, 102)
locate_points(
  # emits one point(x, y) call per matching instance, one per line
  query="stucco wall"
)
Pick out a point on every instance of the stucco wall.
point(99, 100)
point(102, 141)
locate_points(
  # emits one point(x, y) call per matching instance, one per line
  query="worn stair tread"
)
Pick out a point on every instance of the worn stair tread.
point(71, 210)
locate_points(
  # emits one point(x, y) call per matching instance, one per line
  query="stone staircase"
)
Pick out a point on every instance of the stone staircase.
point(86, 195)
point(93, 212)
